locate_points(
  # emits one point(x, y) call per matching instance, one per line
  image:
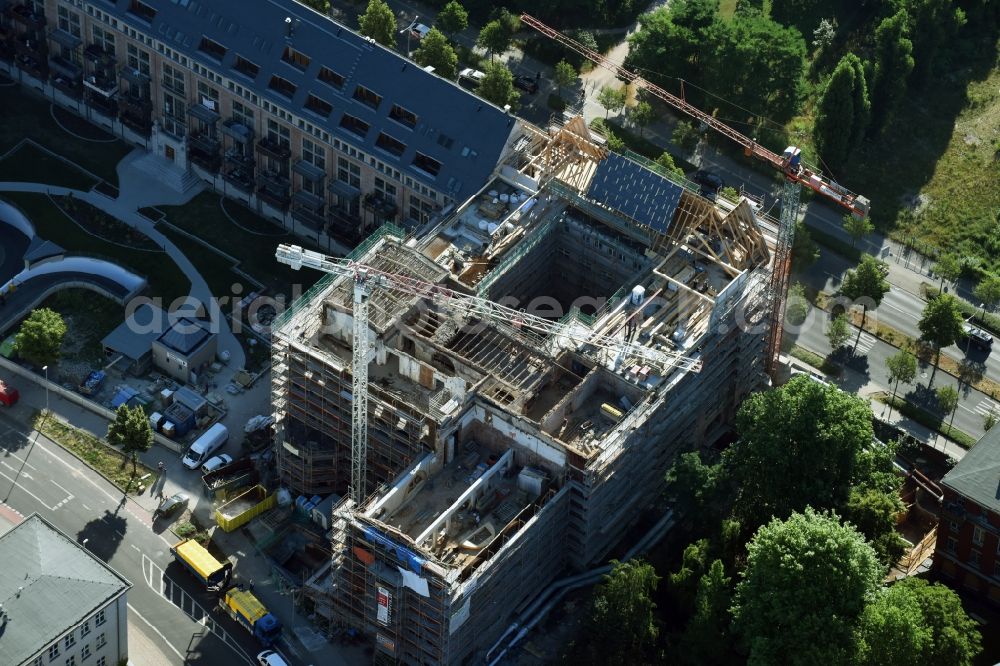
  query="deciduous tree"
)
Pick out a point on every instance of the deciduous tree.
point(685, 135)
point(798, 446)
point(705, 640)
point(494, 38)
point(915, 622)
point(866, 285)
point(873, 512)
point(838, 332)
point(987, 292)
point(40, 337)
point(641, 115)
point(941, 325)
point(902, 367)
point(612, 99)
point(622, 621)
point(379, 23)
point(434, 50)
point(949, 267)
point(692, 485)
point(666, 160)
point(947, 397)
point(857, 228)
point(807, 581)
point(564, 75)
point(131, 432)
point(452, 19)
point(497, 85)
point(797, 308)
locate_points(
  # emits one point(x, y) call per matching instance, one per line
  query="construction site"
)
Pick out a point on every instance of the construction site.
point(535, 360)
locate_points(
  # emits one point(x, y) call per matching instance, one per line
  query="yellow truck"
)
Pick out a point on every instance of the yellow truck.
point(247, 609)
point(210, 571)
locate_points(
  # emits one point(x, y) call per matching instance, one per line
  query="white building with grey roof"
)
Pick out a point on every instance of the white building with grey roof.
point(59, 604)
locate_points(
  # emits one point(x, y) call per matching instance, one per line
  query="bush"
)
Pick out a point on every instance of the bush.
point(928, 420)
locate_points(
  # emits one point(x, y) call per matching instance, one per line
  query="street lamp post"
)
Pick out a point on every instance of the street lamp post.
point(409, 30)
point(46, 369)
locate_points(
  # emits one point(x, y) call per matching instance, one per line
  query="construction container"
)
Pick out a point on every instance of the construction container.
point(230, 481)
point(244, 507)
point(181, 417)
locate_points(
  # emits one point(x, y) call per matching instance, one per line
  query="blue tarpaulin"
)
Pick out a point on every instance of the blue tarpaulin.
point(124, 394)
point(404, 554)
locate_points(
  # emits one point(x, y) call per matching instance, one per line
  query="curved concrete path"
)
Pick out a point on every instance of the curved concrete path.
point(135, 194)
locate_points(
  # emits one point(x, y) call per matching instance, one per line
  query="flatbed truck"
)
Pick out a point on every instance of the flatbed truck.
point(252, 615)
point(215, 575)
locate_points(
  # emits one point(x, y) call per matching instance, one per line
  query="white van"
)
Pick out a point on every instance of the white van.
point(211, 441)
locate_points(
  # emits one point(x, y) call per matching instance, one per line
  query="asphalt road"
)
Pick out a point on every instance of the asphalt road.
point(865, 371)
point(36, 475)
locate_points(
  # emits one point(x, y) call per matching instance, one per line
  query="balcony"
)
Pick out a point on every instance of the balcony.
point(66, 77)
point(235, 129)
point(308, 209)
point(238, 176)
point(383, 208)
point(274, 149)
point(273, 199)
point(273, 181)
point(98, 55)
point(345, 227)
point(272, 187)
point(27, 44)
point(25, 15)
point(101, 85)
point(133, 76)
point(206, 114)
point(32, 65)
point(309, 171)
point(204, 151)
point(67, 41)
point(65, 68)
point(238, 158)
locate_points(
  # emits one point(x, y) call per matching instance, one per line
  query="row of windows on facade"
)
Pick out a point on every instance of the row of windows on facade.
point(173, 79)
point(69, 642)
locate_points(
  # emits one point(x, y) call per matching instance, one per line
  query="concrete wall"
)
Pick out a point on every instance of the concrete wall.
point(9, 366)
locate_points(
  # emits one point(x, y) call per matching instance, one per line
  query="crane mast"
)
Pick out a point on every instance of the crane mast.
point(511, 321)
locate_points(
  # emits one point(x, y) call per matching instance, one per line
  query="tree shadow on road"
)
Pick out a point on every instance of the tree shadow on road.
point(859, 371)
point(102, 536)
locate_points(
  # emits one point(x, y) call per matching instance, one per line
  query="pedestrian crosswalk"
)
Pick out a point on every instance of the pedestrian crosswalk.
point(987, 406)
point(865, 343)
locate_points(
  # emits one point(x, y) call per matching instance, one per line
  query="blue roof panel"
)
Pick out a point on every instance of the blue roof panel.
point(635, 191)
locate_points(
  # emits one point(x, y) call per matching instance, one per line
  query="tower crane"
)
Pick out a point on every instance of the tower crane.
point(367, 279)
point(789, 163)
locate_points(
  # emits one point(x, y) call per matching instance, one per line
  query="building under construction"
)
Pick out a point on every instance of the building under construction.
point(500, 457)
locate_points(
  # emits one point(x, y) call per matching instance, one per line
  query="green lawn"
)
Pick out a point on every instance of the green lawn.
point(165, 279)
point(203, 217)
point(33, 165)
point(27, 115)
point(963, 184)
point(214, 268)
